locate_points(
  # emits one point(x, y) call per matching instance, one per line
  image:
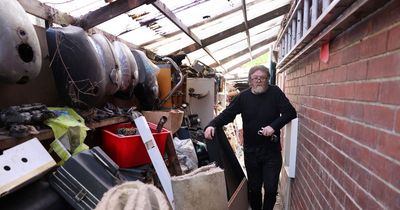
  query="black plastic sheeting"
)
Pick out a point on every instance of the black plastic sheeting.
point(108, 59)
point(147, 90)
point(221, 152)
point(129, 70)
point(76, 66)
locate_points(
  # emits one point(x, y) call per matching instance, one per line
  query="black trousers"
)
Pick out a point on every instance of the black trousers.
point(263, 167)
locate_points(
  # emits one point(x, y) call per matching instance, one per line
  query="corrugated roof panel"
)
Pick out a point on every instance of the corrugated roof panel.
point(146, 26)
point(262, 7)
point(75, 8)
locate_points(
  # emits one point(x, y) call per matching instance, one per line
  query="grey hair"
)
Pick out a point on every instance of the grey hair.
point(259, 68)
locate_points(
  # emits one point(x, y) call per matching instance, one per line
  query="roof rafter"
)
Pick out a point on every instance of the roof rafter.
point(236, 29)
point(201, 23)
point(48, 13)
point(246, 60)
point(246, 25)
point(171, 16)
point(243, 52)
point(108, 12)
point(41, 10)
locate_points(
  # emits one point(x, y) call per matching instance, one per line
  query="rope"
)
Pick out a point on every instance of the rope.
point(134, 195)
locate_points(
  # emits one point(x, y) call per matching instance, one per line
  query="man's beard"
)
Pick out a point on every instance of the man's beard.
point(259, 89)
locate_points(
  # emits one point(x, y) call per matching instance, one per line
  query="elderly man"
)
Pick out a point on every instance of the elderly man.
point(265, 110)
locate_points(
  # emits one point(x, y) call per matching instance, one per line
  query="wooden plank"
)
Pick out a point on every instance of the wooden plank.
point(335, 9)
point(53, 15)
point(38, 9)
point(46, 134)
point(292, 14)
point(351, 15)
point(306, 18)
point(171, 16)
point(286, 44)
point(314, 11)
point(239, 200)
point(7, 141)
point(174, 167)
point(282, 47)
point(289, 35)
point(293, 42)
point(108, 12)
point(299, 31)
point(325, 4)
point(106, 122)
point(246, 25)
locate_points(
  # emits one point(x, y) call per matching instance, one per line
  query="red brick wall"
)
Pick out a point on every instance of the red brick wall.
point(348, 153)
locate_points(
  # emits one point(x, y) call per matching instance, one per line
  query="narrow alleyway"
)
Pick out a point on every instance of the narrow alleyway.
point(239, 155)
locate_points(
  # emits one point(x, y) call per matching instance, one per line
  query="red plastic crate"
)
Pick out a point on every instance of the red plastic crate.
point(129, 151)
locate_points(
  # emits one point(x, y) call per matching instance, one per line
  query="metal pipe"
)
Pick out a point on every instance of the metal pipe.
point(176, 67)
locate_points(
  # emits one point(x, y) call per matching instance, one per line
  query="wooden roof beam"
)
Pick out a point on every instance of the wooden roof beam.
point(38, 9)
point(245, 61)
point(108, 12)
point(243, 52)
point(246, 25)
point(171, 16)
point(41, 10)
point(237, 29)
point(216, 17)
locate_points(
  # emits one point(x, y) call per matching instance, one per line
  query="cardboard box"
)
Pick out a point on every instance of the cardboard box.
point(174, 118)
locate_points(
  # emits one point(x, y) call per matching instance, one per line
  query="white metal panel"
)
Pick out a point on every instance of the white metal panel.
point(204, 107)
point(290, 148)
point(23, 163)
point(155, 156)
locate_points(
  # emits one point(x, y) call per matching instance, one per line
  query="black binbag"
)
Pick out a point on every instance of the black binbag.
point(85, 177)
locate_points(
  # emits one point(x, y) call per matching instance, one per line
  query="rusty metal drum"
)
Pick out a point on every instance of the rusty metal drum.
point(20, 53)
point(77, 69)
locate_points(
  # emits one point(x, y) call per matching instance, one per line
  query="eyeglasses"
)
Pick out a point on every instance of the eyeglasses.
point(258, 79)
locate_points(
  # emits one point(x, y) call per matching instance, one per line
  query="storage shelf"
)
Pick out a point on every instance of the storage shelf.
point(45, 134)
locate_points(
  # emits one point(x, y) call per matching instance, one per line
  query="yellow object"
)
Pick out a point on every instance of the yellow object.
point(164, 83)
point(69, 132)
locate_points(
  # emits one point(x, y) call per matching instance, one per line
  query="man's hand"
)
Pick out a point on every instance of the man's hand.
point(268, 131)
point(209, 132)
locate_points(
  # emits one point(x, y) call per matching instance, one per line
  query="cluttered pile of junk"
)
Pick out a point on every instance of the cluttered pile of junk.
point(125, 130)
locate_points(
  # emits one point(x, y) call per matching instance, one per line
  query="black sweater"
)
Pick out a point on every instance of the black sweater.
point(270, 108)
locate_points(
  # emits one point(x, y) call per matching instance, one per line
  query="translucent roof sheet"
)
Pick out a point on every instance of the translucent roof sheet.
point(208, 21)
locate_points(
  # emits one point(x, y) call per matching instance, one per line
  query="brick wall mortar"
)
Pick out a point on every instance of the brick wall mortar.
point(310, 153)
point(341, 170)
point(332, 179)
point(300, 198)
point(349, 117)
point(360, 122)
point(349, 137)
point(305, 191)
point(391, 188)
point(308, 184)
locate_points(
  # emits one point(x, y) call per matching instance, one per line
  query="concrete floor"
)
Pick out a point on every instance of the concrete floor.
point(279, 203)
